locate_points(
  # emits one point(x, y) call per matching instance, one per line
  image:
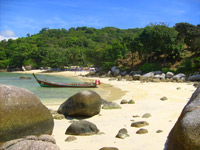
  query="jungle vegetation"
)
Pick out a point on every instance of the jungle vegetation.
point(156, 46)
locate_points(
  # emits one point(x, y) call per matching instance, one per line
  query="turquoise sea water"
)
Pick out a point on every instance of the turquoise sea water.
point(48, 96)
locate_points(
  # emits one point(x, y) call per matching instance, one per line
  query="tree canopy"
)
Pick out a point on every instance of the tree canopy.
point(84, 46)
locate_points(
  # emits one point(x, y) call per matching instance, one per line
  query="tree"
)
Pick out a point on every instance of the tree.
point(190, 34)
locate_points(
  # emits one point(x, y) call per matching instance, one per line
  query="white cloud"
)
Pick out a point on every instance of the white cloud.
point(7, 34)
point(6, 38)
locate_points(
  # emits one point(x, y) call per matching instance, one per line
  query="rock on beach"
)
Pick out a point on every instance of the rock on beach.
point(82, 104)
point(185, 135)
point(82, 128)
point(22, 114)
point(123, 133)
point(139, 124)
point(44, 142)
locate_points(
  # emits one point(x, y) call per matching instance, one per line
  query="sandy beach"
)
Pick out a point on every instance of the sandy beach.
point(147, 100)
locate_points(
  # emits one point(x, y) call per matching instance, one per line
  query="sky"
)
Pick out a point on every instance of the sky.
point(21, 17)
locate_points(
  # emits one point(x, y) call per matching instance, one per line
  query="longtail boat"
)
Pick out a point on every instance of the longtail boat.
point(44, 83)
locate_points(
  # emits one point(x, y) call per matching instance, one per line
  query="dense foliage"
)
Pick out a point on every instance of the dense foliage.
point(83, 46)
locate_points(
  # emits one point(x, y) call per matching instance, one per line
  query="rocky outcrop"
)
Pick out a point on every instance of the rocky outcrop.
point(153, 76)
point(185, 135)
point(159, 76)
point(22, 114)
point(146, 76)
point(82, 104)
point(195, 77)
point(82, 128)
point(44, 142)
point(179, 76)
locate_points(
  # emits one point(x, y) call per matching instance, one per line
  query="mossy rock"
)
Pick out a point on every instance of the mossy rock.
point(22, 114)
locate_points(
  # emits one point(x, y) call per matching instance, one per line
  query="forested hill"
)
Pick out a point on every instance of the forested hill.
point(156, 46)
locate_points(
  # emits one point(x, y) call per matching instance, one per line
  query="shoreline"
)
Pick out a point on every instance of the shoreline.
point(147, 100)
point(106, 90)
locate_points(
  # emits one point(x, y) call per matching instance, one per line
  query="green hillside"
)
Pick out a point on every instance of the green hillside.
point(156, 46)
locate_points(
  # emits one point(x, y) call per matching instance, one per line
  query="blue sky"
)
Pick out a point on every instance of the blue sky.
point(19, 17)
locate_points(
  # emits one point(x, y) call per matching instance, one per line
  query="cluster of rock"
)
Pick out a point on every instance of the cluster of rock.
point(185, 134)
point(154, 76)
point(127, 102)
point(87, 104)
point(25, 121)
point(83, 104)
point(22, 114)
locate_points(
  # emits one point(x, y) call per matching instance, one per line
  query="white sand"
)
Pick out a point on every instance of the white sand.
point(147, 98)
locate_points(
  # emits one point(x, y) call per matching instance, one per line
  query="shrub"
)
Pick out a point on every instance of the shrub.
point(165, 70)
point(185, 67)
point(108, 65)
point(148, 67)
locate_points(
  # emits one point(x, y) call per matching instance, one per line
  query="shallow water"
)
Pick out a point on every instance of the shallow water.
point(48, 96)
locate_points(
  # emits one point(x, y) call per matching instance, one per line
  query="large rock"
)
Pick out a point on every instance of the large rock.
point(44, 142)
point(169, 74)
point(195, 77)
point(28, 68)
point(132, 73)
point(157, 72)
point(22, 114)
point(115, 71)
point(159, 76)
point(82, 104)
point(124, 73)
point(136, 77)
point(82, 128)
point(179, 76)
point(185, 135)
point(149, 75)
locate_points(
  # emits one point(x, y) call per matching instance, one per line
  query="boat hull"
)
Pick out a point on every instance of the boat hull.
point(44, 83)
